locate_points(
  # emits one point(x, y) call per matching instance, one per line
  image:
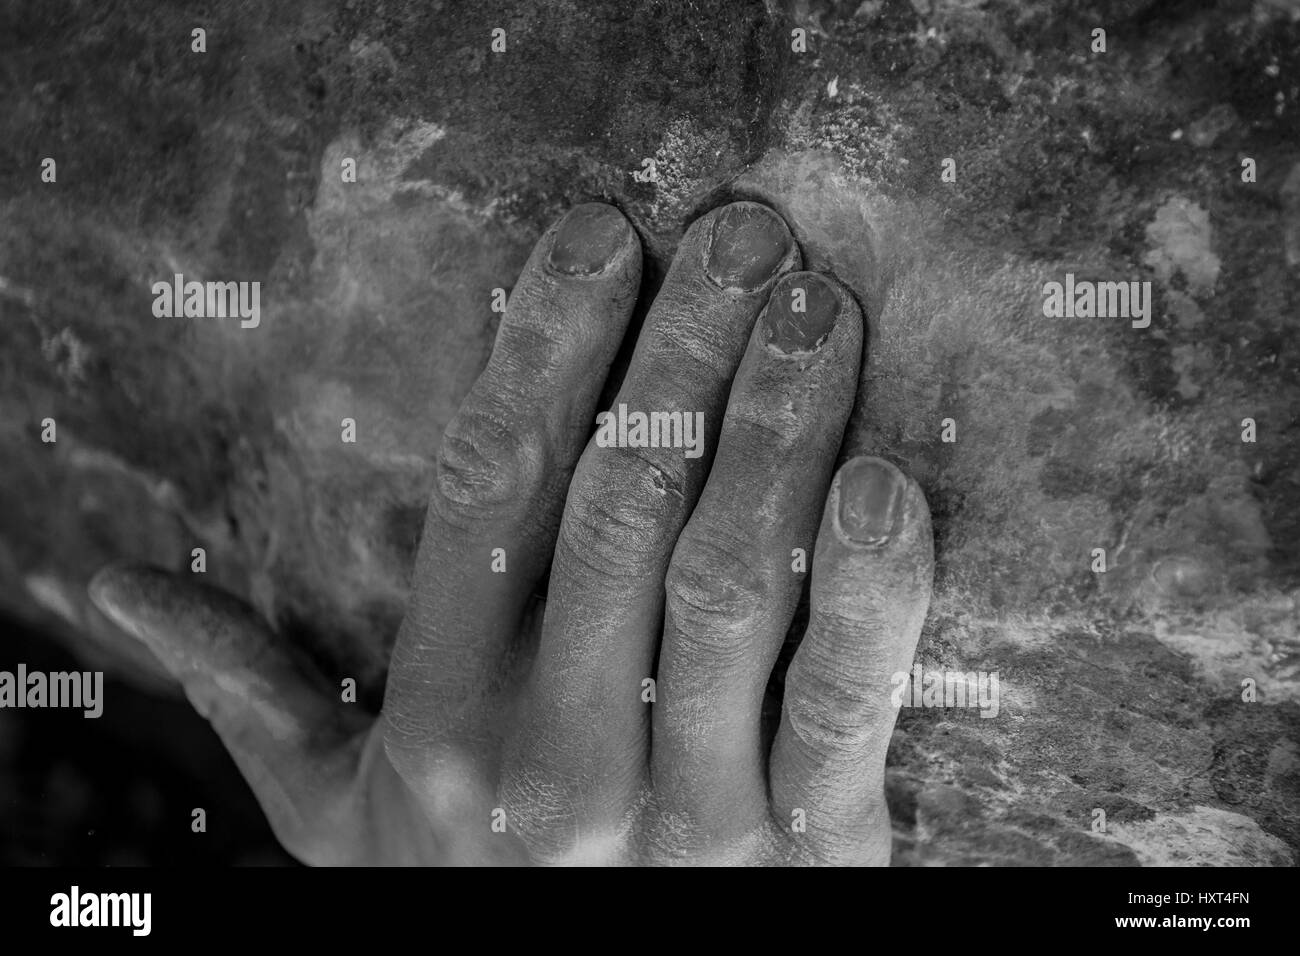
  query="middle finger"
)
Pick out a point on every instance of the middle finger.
point(580, 753)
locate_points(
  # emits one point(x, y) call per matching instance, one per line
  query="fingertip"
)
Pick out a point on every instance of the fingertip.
point(748, 244)
point(183, 622)
point(590, 240)
point(873, 503)
point(806, 310)
point(874, 563)
point(122, 591)
point(870, 494)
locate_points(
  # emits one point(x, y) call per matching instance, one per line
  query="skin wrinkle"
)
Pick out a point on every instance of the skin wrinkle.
point(784, 385)
point(603, 538)
point(763, 470)
point(787, 393)
point(688, 293)
point(497, 700)
point(667, 466)
point(523, 442)
point(675, 839)
point(710, 351)
point(708, 580)
point(623, 494)
point(588, 328)
point(548, 807)
point(838, 713)
point(837, 722)
point(548, 359)
point(626, 665)
point(490, 456)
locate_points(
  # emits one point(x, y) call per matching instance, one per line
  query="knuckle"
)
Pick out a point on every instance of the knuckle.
point(831, 715)
point(841, 849)
point(672, 837)
point(487, 460)
point(712, 585)
point(540, 810)
point(622, 512)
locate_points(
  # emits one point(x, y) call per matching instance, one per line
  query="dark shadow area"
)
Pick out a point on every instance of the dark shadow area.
point(120, 789)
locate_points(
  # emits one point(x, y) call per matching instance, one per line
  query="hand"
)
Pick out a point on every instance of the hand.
point(621, 719)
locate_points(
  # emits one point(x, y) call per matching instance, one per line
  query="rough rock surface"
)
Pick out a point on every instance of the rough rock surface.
point(1120, 691)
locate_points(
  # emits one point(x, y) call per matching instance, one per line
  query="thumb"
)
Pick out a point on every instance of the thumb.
point(296, 745)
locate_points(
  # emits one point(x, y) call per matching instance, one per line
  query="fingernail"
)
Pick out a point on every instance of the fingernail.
point(748, 245)
point(872, 493)
point(801, 313)
point(589, 239)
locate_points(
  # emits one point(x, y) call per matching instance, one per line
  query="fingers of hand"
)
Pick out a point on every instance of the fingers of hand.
point(872, 575)
point(736, 573)
point(582, 742)
point(295, 743)
point(502, 475)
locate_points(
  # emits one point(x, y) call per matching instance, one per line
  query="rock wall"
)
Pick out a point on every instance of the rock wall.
point(1120, 691)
